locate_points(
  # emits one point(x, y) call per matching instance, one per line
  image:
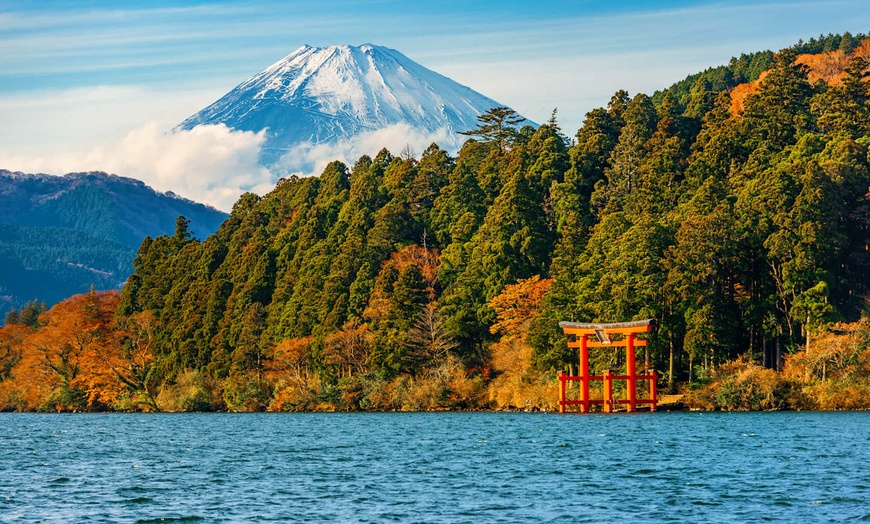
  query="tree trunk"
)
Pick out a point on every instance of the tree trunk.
point(778, 353)
point(751, 344)
point(806, 328)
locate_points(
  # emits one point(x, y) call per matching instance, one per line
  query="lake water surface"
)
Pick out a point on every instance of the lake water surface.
point(435, 467)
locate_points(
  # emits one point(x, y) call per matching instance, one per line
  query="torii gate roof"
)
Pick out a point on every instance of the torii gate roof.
point(636, 326)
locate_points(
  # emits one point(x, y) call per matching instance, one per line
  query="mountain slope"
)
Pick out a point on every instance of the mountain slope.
point(324, 95)
point(61, 234)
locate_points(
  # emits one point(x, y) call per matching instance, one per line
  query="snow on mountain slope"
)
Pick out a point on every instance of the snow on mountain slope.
point(330, 95)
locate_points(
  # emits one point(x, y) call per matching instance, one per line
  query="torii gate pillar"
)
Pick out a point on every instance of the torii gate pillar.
point(579, 337)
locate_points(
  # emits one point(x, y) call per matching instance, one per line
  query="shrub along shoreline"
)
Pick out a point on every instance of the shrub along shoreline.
point(80, 358)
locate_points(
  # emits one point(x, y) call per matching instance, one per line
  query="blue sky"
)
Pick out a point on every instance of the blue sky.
point(77, 77)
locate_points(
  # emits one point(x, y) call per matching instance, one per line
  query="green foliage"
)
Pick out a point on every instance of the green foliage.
point(497, 126)
point(830, 42)
point(779, 113)
point(745, 68)
point(28, 315)
point(741, 234)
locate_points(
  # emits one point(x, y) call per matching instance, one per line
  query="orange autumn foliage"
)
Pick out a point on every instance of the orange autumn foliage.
point(79, 359)
point(740, 92)
point(835, 372)
point(289, 369)
point(517, 304)
point(831, 67)
point(67, 348)
point(827, 67)
point(348, 348)
point(290, 357)
point(425, 259)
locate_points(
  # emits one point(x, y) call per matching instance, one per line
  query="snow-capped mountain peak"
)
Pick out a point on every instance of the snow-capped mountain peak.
point(326, 95)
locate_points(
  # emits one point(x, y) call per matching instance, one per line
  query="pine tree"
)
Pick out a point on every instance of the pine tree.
point(497, 126)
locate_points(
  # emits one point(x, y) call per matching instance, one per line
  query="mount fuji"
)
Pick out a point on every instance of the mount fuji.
point(334, 95)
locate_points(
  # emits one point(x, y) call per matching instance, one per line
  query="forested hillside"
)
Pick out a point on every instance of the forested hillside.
point(435, 282)
point(59, 235)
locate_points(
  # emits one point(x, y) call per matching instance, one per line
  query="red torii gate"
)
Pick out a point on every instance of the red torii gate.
point(579, 337)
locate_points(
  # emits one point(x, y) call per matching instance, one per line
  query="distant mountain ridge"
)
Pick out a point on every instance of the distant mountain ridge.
point(58, 201)
point(325, 95)
point(61, 234)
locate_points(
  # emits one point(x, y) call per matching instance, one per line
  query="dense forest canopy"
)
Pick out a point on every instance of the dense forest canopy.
point(406, 283)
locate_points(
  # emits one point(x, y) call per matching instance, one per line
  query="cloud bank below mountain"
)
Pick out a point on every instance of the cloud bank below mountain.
point(213, 164)
point(310, 159)
point(208, 164)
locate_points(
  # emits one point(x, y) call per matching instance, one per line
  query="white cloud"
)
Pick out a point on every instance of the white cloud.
point(210, 164)
point(309, 159)
point(214, 164)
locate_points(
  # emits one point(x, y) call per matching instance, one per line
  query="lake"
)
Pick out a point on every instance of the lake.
point(435, 467)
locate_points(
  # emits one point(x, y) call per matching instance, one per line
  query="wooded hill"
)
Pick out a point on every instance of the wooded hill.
point(60, 235)
point(438, 282)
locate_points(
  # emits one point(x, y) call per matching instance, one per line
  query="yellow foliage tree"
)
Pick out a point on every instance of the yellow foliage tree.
point(516, 384)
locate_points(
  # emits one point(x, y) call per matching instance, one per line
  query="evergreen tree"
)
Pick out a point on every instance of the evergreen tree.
point(28, 315)
point(780, 111)
point(497, 126)
point(845, 108)
point(625, 158)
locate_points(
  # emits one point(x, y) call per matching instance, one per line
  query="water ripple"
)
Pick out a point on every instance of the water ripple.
point(444, 467)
